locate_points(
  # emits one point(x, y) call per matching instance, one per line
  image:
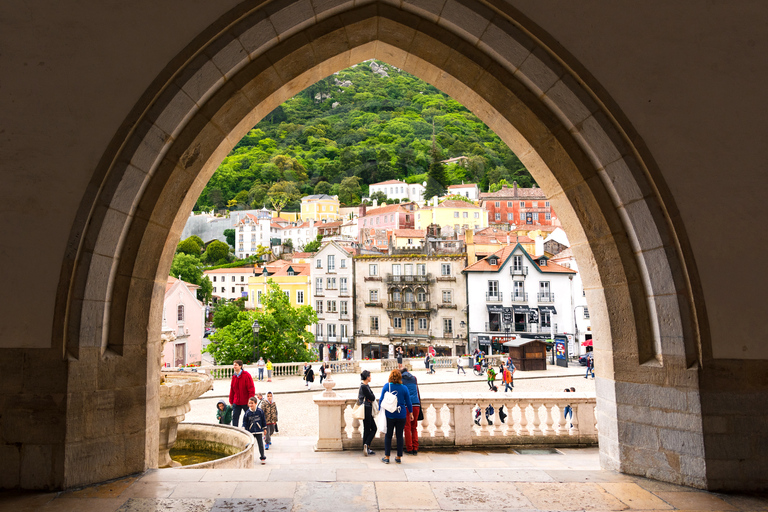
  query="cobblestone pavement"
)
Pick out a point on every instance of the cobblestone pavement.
point(297, 479)
point(298, 413)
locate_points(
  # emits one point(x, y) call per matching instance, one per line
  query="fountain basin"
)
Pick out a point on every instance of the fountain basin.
point(176, 390)
point(235, 445)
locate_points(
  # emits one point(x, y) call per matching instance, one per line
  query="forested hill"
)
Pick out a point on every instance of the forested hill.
point(370, 121)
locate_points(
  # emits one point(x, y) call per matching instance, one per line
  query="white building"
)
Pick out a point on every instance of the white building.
point(395, 189)
point(517, 295)
point(332, 283)
point(583, 326)
point(468, 190)
point(230, 283)
point(350, 229)
point(252, 231)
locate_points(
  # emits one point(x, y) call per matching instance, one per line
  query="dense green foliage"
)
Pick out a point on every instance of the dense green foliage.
point(226, 312)
point(282, 338)
point(362, 125)
point(188, 268)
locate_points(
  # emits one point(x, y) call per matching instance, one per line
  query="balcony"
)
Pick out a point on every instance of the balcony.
point(542, 328)
point(403, 333)
point(518, 271)
point(446, 278)
point(400, 279)
point(408, 306)
point(319, 337)
point(344, 316)
point(546, 297)
point(447, 305)
point(344, 292)
point(374, 305)
point(493, 296)
point(519, 297)
point(372, 278)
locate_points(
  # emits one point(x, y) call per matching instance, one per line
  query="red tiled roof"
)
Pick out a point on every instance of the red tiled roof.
point(389, 182)
point(298, 269)
point(553, 267)
point(511, 192)
point(385, 209)
point(302, 255)
point(455, 203)
point(233, 270)
point(465, 185)
point(502, 239)
point(410, 233)
point(484, 266)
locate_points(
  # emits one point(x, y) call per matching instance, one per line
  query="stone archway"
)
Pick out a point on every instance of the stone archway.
point(629, 251)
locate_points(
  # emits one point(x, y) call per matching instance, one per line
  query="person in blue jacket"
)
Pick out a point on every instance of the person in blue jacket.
point(255, 423)
point(396, 419)
point(411, 430)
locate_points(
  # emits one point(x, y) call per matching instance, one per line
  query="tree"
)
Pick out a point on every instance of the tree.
point(187, 268)
point(314, 245)
point(230, 235)
point(436, 180)
point(217, 251)
point(458, 197)
point(216, 197)
point(205, 292)
point(288, 245)
point(380, 196)
point(262, 251)
point(350, 190)
point(189, 246)
point(323, 187)
point(226, 312)
point(198, 240)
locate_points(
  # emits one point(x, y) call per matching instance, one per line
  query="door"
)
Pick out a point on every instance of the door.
point(180, 354)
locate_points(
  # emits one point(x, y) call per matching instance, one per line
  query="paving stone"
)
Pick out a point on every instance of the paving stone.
point(107, 490)
point(570, 496)
point(694, 501)
point(442, 475)
point(478, 496)
point(303, 475)
point(204, 490)
point(588, 476)
point(635, 496)
point(414, 495)
point(167, 505)
point(237, 475)
point(173, 475)
point(394, 474)
point(253, 505)
point(150, 490)
point(513, 475)
point(656, 486)
point(272, 490)
point(334, 497)
point(747, 502)
point(81, 505)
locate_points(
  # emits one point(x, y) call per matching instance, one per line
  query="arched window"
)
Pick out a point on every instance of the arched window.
point(180, 313)
point(408, 295)
point(421, 295)
point(396, 296)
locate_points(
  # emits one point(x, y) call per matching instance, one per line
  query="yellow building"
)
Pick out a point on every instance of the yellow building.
point(293, 278)
point(320, 207)
point(453, 216)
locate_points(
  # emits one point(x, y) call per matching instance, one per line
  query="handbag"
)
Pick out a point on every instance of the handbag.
point(421, 409)
point(381, 420)
point(389, 402)
point(358, 412)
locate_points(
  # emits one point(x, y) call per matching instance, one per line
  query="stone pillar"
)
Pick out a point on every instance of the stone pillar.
point(329, 410)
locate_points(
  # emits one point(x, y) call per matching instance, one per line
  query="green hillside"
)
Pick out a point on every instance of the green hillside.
point(365, 124)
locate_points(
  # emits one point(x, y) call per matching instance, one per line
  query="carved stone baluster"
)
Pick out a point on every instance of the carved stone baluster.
point(451, 422)
point(550, 420)
point(425, 422)
point(524, 419)
point(439, 421)
point(575, 421)
point(343, 423)
point(356, 434)
point(536, 420)
point(484, 427)
point(498, 429)
point(562, 423)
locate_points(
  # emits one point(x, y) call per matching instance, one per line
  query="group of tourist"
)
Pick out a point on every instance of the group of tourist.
point(260, 418)
point(261, 366)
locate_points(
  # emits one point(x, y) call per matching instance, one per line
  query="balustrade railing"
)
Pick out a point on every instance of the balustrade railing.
point(449, 420)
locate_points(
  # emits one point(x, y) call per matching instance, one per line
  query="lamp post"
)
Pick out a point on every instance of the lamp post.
point(255, 327)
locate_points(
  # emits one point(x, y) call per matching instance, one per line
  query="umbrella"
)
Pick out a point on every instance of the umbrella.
point(587, 343)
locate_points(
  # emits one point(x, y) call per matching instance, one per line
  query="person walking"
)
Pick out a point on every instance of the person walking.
point(590, 366)
point(269, 370)
point(254, 422)
point(261, 365)
point(491, 377)
point(270, 416)
point(432, 363)
point(460, 366)
point(322, 373)
point(396, 419)
point(367, 399)
point(309, 376)
point(411, 425)
point(506, 377)
point(426, 362)
point(223, 413)
point(241, 388)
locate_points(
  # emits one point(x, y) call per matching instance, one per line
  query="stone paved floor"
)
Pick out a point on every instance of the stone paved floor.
point(296, 478)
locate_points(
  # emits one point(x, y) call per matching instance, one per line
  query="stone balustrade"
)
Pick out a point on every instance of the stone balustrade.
point(281, 369)
point(534, 418)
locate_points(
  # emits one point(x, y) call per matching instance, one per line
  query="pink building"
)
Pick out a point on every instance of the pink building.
point(183, 315)
point(377, 224)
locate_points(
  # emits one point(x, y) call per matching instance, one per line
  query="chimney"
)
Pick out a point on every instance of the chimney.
point(375, 203)
point(361, 211)
point(507, 239)
point(469, 237)
point(539, 245)
point(514, 187)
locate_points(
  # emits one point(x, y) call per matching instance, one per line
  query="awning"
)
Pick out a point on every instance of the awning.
point(521, 309)
point(484, 340)
point(495, 308)
point(548, 309)
point(587, 343)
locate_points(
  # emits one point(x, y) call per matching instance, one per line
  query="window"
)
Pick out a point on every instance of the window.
point(535, 216)
point(374, 324)
point(378, 220)
point(214, 279)
point(477, 215)
point(287, 294)
point(343, 263)
point(445, 269)
point(544, 288)
point(423, 324)
point(447, 296)
point(421, 295)
point(233, 280)
point(233, 288)
point(456, 227)
point(396, 269)
point(242, 289)
point(421, 269)
point(373, 296)
point(542, 262)
point(373, 269)
point(320, 330)
point(546, 204)
point(409, 324)
point(343, 330)
point(510, 216)
point(331, 330)
point(397, 323)
point(319, 285)
point(517, 262)
point(465, 215)
point(535, 204)
point(408, 269)
point(331, 281)
point(299, 297)
point(586, 312)
point(522, 204)
point(497, 204)
point(343, 284)
point(318, 263)
point(331, 306)
point(343, 308)
point(519, 290)
point(331, 263)
point(180, 313)
point(319, 307)
point(509, 204)
point(548, 216)
point(242, 279)
point(455, 215)
point(498, 216)
point(493, 288)
point(258, 297)
point(214, 289)
point(396, 296)
point(447, 325)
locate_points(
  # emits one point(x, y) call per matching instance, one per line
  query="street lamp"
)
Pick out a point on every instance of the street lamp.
point(255, 327)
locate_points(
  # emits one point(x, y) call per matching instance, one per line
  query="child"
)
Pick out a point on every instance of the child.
point(491, 377)
point(255, 423)
point(270, 415)
point(269, 370)
point(224, 413)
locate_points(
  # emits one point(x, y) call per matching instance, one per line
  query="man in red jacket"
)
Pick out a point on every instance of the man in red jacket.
point(240, 390)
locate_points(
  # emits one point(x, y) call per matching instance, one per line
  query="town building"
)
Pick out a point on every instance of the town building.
point(487, 241)
point(395, 189)
point(468, 190)
point(184, 318)
point(333, 282)
point(453, 216)
point(413, 299)
point(253, 231)
point(582, 325)
point(518, 206)
point(292, 278)
point(229, 283)
point(320, 207)
point(518, 296)
point(377, 224)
